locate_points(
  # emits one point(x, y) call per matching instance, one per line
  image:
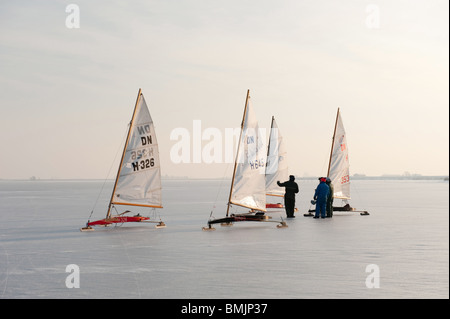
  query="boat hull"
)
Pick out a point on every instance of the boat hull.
point(229, 220)
point(346, 208)
point(118, 220)
point(239, 218)
point(278, 205)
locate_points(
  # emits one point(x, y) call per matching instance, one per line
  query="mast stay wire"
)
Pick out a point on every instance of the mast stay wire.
point(220, 188)
point(109, 171)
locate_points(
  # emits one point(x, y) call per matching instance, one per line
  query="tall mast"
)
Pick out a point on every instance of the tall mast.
point(270, 135)
point(332, 143)
point(237, 153)
point(108, 214)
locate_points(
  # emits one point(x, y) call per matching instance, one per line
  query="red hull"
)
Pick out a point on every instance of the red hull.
point(274, 206)
point(118, 220)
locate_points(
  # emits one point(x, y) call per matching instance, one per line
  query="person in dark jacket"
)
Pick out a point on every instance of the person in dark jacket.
point(330, 198)
point(289, 195)
point(321, 196)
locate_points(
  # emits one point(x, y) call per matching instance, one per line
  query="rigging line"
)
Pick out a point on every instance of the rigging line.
point(220, 188)
point(358, 196)
point(117, 212)
point(109, 171)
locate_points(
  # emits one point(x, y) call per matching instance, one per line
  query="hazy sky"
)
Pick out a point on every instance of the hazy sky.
point(67, 94)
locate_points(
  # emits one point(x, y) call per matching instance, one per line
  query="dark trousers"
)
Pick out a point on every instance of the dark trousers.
point(321, 207)
point(330, 208)
point(289, 205)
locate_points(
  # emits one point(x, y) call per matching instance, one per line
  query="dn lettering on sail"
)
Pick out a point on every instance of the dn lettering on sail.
point(253, 149)
point(257, 164)
point(145, 133)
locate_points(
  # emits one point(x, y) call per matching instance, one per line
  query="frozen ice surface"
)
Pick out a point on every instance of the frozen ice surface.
point(406, 235)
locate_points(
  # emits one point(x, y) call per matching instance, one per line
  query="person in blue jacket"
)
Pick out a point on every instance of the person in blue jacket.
point(321, 197)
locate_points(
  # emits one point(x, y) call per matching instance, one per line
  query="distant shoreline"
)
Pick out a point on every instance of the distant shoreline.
point(168, 178)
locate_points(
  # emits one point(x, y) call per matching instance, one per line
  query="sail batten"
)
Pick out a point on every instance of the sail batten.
point(245, 206)
point(275, 195)
point(139, 205)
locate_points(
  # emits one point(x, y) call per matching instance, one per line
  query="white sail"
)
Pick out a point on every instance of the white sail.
point(339, 172)
point(248, 187)
point(139, 178)
point(277, 166)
